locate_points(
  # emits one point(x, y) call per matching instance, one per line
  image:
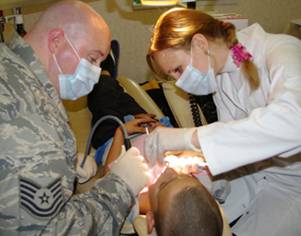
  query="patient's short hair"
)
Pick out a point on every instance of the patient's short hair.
point(192, 212)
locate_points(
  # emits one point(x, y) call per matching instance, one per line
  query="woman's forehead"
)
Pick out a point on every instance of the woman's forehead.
point(170, 57)
point(169, 54)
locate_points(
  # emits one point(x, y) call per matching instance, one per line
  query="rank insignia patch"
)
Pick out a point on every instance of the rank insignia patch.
point(41, 201)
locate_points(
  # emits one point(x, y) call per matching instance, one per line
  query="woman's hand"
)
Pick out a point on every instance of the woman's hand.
point(162, 140)
point(151, 125)
point(138, 125)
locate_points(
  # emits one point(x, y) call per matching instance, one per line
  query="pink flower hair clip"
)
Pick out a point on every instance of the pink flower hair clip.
point(240, 54)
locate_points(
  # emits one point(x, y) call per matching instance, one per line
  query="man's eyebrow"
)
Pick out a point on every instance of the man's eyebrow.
point(170, 70)
point(174, 69)
point(98, 51)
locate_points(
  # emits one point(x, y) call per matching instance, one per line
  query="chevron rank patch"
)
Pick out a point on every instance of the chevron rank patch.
point(41, 201)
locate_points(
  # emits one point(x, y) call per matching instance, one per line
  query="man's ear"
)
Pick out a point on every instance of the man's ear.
point(55, 39)
point(150, 221)
point(199, 42)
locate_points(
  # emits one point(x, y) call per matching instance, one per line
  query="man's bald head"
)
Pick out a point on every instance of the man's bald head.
point(74, 17)
point(80, 24)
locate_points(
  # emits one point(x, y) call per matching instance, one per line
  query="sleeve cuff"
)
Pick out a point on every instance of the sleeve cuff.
point(206, 139)
point(120, 196)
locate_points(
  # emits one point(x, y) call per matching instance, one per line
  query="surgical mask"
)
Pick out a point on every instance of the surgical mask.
point(86, 75)
point(196, 82)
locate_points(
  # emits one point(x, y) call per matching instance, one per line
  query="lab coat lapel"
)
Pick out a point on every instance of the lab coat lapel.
point(237, 89)
point(233, 92)
point(232, 89)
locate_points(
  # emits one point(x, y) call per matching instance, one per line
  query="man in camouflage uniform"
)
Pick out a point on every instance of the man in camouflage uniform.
point(37, 147)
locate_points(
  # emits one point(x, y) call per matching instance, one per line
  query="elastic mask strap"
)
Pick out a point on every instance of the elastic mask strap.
point(209, 59)
point(208, 56)
point(72, 46)
point(191, 55)
point(57, 64)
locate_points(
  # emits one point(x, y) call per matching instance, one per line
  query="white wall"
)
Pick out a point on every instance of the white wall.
point(133, 28)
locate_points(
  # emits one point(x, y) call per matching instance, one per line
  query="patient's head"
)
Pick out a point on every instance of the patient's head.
point(181, 205)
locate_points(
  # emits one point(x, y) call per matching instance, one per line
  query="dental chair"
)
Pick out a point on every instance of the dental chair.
point(80, 116)
point(79, 120)
point(140, 96)
point(183, 108)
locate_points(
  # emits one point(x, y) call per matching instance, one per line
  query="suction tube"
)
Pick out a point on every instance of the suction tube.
point(127, 142)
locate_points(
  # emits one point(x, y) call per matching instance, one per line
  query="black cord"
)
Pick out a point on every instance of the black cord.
point(196, 116)
point(191, 5)
point(127, 142)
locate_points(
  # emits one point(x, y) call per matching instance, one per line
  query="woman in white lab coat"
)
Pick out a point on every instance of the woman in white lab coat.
point(255, 78)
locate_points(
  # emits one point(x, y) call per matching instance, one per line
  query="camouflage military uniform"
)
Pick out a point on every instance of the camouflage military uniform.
point(37, 152)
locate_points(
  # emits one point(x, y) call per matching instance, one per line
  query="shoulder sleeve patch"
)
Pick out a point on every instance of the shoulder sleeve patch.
point(41, 201)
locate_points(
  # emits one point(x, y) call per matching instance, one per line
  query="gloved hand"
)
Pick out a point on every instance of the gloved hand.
point(132, 169)
point(89, 169)
point(167, 139)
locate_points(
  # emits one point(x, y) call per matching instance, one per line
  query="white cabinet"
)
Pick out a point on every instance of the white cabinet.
point(295, 28)
point(7, 4)
point(237, 20)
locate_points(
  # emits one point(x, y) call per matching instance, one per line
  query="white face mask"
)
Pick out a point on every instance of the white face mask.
point(86, 75)
point(196, 82)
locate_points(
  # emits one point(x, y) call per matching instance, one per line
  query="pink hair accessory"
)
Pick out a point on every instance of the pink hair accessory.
point(240, 54)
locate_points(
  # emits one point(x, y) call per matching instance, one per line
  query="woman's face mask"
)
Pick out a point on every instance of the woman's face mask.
point(81, 82)
point(196, 82)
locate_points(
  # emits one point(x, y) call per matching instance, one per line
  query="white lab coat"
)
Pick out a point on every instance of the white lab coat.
point(263, 126)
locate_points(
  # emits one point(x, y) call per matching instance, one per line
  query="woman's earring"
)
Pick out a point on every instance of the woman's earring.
point(207, 52)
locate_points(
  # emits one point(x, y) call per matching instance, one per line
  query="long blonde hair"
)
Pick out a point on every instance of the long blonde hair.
point(176, 27)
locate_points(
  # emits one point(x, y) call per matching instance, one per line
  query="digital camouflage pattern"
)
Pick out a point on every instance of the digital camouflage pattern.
point(37, 159)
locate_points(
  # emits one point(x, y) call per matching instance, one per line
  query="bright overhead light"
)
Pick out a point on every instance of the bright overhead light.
point(159, 2)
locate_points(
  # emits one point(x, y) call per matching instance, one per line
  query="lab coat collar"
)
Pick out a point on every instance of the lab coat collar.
point(229, 65)
point(253, 38)
point(236, 95)
point(251, 46)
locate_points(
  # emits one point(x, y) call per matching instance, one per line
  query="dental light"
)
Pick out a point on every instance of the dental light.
point(159, 3)
point(167, 3)
point(164, 3)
